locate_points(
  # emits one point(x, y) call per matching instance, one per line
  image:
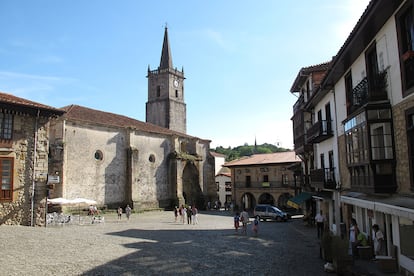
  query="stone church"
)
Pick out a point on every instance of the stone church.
point(117, 160)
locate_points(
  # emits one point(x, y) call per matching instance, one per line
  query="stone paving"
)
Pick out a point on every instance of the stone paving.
point(153, 243)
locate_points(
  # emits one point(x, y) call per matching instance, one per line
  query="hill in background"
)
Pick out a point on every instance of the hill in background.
point(247, 150)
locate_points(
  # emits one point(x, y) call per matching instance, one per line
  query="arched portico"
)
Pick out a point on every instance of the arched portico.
point(247, 201)
point(191, 192)
point(266, 198)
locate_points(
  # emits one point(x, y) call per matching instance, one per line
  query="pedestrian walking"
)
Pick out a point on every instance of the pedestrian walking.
point(119, 212)
point(320, 221)
point(189, 214)
point(237, 222)
point(183, 213)
point(353, 237)
point(244, 218)
point(378, 239)
point(255, 226)
point(176, 211)
point(128, 211)
point(194, 214)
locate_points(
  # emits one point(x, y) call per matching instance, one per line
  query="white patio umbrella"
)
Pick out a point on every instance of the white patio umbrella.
point(59, 200)
point(81, 200)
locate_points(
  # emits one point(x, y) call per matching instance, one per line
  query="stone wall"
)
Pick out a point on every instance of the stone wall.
point(94, 164)
point(401, 145)
point(19, 210)
point(345, 178)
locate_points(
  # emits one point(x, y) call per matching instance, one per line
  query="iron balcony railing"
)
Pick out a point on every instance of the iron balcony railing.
point(319, 131)
point(323, 178)
point(369, 90)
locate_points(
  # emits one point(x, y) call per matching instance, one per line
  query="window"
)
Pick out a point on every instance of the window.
point(6, 121)
point(381, 141)
point(285, 179)
point(248, 181)
point(98, 155)
point(265, 178)
point(227, 186)
point(6, 180)
point(356, 140)
point(405, 29)
point(410, 140)
point(158, 91)
point(328, 118)
point(218, 186)
point(176, 93)
point(322, 159)
point(349, 92)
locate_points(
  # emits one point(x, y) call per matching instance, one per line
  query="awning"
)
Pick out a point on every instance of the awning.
point(323, 195)
point(402, 206)
point(296, 201)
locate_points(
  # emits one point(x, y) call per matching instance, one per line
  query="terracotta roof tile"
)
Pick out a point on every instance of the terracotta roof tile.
point(27, 105)
point(216, 154)
point(304, 73)
point(267, 158)
point(88, 115)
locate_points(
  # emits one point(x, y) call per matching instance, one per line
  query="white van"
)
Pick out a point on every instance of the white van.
point(265, 211)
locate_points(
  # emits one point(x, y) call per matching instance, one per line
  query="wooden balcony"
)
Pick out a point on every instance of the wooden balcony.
point(299, 104)
point(319, 132)
point(323, 178)
point(369, 90)
point(300, 144)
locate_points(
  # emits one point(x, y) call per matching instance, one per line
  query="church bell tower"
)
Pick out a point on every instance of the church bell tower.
point(165, 106)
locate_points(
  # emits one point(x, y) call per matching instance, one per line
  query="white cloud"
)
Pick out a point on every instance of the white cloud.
point(22, 76)
point(218, 39)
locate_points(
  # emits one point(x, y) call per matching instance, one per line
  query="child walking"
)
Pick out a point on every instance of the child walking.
point(255, 226)
point(237, 222)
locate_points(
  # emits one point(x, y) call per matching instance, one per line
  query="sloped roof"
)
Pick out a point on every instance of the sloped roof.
point(224, 171)
point(93, 116)
point(371, 21)
point(304, 73)
point(216, 154)
point(267, 158)
point(166, 60)
point(27, 106)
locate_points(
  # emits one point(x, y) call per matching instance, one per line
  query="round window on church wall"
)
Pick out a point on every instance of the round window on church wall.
point(98, 155)
point(152, 158)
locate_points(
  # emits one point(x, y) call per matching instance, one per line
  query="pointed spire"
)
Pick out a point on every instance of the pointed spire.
point(166, 60)
point(255, 145)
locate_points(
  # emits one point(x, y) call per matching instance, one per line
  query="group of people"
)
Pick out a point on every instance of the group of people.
point(357, 238)
point(189, 214)
point(93, 211)
point(244, 218)
point(128, 211)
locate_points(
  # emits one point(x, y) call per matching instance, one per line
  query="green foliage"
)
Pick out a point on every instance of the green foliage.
point(247, 150)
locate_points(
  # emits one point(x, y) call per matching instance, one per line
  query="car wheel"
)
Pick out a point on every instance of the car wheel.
point(278, 219)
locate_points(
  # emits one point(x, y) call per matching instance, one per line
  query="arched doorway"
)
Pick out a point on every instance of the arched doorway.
point(266, 198)
point(192, 193)
point(247, 201)
point(283, 199)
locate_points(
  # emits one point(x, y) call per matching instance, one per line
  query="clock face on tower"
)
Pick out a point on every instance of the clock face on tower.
point(175, 83)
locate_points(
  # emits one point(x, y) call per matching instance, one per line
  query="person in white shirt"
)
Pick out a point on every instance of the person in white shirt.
point(320, 221)
point(378, 238)
point(244, 218)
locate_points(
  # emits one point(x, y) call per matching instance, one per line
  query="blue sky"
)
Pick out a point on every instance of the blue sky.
point(240, 58)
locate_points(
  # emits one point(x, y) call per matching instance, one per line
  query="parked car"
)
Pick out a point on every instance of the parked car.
point(265, 212)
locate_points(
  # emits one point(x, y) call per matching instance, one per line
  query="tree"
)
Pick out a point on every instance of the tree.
point(247, 150)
